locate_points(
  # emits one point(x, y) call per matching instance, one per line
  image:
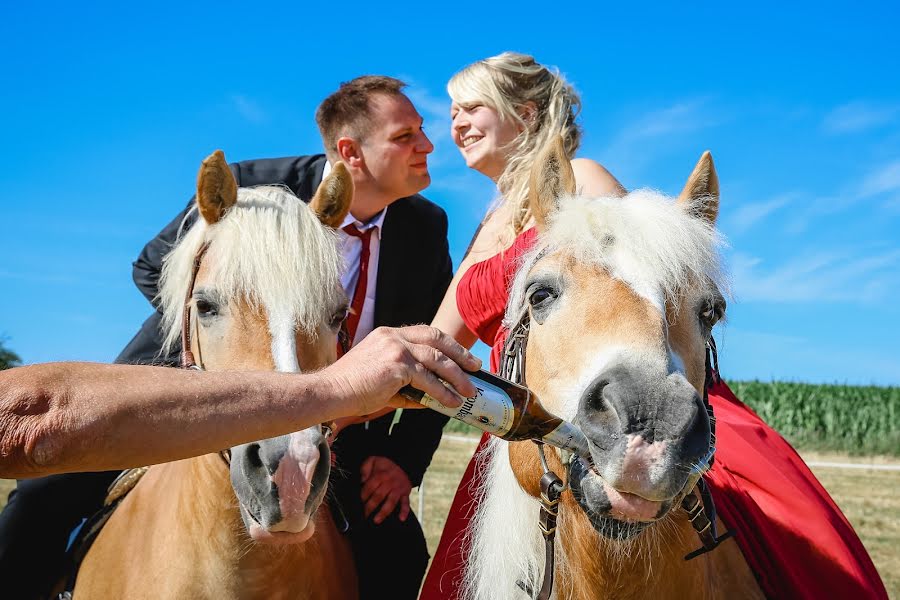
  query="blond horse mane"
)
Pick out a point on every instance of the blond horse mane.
point(289, 245)
point(646, 239)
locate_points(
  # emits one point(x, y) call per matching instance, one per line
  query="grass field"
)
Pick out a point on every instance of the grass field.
point(869, 498)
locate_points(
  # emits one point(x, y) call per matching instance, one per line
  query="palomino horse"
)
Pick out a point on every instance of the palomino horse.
point(621, 295)
point(266, 296)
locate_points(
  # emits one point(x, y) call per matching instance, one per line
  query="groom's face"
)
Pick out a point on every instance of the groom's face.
point(396, 148)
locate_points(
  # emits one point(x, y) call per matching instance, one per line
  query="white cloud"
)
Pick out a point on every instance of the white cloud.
point(835, 276)
point(749, 214)
point(646, 137)
point(859, 116)
point(881, 180)
point(682, 117)
point(248, 109)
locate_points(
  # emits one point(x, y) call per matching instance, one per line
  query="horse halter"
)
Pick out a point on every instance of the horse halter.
point(187, 356)
point(698, 502)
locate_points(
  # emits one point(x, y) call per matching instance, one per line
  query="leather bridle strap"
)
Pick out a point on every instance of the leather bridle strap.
point(512, 367)
point(699, 504)
point(551, 489)
point(187, 357)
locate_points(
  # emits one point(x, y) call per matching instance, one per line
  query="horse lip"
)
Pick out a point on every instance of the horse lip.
point(611, 525)
point(592, 468)
point(250, 514)
point(278, 537)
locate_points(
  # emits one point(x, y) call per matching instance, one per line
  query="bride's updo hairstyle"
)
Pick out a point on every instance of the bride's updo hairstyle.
point(538, 99)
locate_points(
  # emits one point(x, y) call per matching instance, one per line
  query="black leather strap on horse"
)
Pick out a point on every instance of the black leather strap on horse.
point(551, 489)
point(512, 367)
point(699, 504)
point(187, 357)
point(90, 529)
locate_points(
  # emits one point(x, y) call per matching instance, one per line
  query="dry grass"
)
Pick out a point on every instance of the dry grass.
point(870, 499)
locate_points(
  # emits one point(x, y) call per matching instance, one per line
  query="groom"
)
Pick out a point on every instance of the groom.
point(394, 242)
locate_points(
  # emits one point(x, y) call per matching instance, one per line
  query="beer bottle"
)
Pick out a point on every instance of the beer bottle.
point(509, 411)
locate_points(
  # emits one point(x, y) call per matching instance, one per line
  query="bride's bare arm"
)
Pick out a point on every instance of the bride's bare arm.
point(488, 241)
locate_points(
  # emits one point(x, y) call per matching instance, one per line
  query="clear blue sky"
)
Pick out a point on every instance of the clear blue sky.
point(108, 108)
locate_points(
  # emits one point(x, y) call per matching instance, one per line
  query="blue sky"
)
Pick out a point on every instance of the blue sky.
point(108, 109)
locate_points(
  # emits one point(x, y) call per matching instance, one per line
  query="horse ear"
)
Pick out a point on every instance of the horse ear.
point(216, 188)
point(551, 177)
point(701, 192)
point(332, 200)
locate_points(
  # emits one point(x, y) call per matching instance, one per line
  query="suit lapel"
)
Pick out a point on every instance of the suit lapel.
point(390, 259)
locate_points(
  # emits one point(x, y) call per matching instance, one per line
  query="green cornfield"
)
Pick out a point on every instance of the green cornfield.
point(841, 418)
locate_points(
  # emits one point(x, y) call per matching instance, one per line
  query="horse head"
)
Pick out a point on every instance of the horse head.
point(266, 295)
point(622, 294)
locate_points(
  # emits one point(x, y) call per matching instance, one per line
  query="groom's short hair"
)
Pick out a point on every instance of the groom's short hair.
point(348, 111)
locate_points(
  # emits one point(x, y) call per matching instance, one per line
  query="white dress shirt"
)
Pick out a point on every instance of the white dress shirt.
point(351, 249)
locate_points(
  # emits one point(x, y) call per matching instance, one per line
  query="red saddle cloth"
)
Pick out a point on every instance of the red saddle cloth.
point(792, 534)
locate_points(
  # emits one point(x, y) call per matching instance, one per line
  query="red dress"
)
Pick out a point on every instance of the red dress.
point(793, 536)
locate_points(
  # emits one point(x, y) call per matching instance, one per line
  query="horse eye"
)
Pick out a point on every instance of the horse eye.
point(205, 308)
point(541, 297)
point(712, 312)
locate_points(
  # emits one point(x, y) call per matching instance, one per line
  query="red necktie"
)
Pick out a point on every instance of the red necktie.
point(359, 295)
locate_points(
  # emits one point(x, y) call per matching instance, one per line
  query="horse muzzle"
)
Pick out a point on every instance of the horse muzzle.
point(280, 483)
point(649, 434)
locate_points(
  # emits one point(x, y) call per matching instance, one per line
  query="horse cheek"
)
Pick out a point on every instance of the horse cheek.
point(524, 461)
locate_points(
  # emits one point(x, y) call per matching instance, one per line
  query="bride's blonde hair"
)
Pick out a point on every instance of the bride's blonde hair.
point(538, 99)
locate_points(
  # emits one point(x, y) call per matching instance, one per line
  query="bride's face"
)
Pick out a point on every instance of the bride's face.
point(483, 138)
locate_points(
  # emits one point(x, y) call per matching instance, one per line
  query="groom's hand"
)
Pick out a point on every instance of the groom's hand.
point(385, 485)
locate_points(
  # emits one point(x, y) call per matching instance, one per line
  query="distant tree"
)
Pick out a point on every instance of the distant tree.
point(8, 358)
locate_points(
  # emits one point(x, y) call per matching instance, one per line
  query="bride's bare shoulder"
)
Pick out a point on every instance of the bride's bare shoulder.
point(592, 179)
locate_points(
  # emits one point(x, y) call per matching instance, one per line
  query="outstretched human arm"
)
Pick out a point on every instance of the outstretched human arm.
point(59, 417)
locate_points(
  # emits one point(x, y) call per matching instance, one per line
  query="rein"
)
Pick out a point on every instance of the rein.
point(698, 503)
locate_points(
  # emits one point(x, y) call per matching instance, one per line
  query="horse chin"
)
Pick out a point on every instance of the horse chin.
point(272, 536)
point(281, 538)
point(613, 514)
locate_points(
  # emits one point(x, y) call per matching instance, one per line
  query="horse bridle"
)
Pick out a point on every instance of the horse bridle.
point(187, 356)
point(698, 502)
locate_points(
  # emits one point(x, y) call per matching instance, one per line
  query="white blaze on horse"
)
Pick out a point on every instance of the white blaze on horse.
point(266, 296)
point(621, 295)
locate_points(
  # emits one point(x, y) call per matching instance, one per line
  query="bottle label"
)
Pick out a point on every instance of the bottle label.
point(568, 437)
point(489, 410)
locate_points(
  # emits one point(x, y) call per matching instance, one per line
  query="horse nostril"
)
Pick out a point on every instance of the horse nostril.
point(595, 395)
point(253, 458)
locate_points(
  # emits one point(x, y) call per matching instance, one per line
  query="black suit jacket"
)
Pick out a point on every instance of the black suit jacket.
point(414, 271)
